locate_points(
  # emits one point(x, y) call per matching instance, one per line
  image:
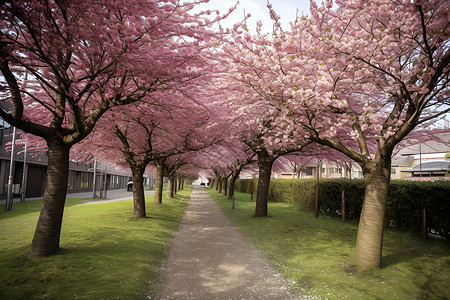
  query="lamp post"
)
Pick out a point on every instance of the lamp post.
point(94, 180)
point(9, 198)
point(24, 175)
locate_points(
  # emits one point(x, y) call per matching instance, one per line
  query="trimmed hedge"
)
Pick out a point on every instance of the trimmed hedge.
point(404, 206)
point(407, 198)
point(244, 185)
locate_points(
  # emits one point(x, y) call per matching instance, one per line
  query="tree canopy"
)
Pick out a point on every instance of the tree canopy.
point(153, 82)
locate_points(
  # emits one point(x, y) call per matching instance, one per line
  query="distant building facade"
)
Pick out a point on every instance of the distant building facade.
point(430, 156)
point(328, 169)
point(434, 169)
point(81, 175)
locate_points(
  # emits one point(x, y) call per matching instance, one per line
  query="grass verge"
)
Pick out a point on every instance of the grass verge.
point(105, 254)
point(315, 255)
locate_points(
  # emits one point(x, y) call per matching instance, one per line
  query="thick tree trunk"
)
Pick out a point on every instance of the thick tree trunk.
point(48, 230)
point(231, 188)
point(170, 187)
point(138, 192)
point(370, 231)
point(159, 183)
point(265, 162)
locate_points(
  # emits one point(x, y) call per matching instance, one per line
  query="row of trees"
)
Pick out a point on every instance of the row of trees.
point(152, 85)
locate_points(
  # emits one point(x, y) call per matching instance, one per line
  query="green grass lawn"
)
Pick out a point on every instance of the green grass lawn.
point(105, 254)
point(315, 255)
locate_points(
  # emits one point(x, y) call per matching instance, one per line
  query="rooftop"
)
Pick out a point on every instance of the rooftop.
point(434, 166)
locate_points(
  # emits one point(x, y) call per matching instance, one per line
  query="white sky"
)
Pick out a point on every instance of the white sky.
point(287, 9)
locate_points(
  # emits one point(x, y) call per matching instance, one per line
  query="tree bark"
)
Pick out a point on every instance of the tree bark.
point(180, 185)
point(175, 184)
point(218, 183)
point(225, 186)
point(231, 187)
point(159, 182)
point(265, 162)
point(48, 230)
point(370, 231)
point(169, 193)
point(138, 192)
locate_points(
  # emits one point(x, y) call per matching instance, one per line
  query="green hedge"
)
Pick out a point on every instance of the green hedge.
point(244, 185)
point(406, 200)
point(404, 208)
point(293, 191)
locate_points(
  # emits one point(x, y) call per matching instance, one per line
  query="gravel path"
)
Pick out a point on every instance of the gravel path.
point(210, 259)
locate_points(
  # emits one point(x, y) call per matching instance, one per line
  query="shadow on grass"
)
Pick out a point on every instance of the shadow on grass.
point(402, 247)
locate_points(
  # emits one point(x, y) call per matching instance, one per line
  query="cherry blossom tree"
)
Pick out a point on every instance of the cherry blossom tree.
point(362, 77)
point(214, 159)
point(158, 131)
point(250, 66)
point(242, 157)
point(171, 166)
point(65, 63)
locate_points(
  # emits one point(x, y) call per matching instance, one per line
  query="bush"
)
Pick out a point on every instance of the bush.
point(408, 198)
point(405, 201)
point(244, 185)
point(330, 196)
point(293, 191)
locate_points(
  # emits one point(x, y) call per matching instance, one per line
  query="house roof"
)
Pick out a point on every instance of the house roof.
point(433, 166)
point(440, 145)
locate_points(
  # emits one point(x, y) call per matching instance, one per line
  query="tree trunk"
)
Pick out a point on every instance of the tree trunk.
point(170, 187)
point(48, 230)
point(265, 162)
point(180, 186)
point(370, 231)
point(218, 182)
point(175, 184)
point(138, 192)
point(231, 188)
point(159, 183)
point(225, 186)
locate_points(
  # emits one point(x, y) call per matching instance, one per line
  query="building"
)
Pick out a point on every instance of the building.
point(81, 175)
point(430, 153)
point(328, 169)
point(431, 170)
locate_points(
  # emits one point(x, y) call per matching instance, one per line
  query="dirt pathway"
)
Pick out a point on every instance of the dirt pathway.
point(210, 259)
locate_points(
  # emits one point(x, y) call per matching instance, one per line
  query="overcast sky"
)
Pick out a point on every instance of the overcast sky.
point(257, 8)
